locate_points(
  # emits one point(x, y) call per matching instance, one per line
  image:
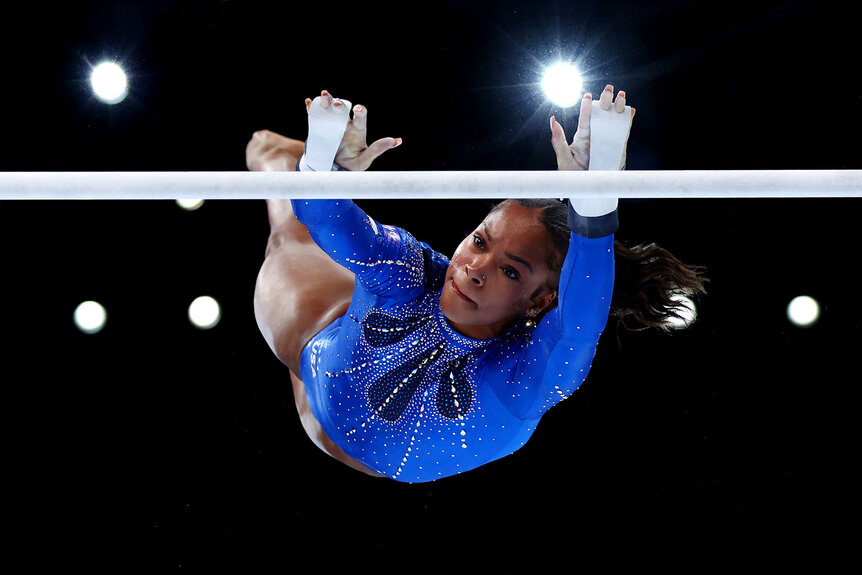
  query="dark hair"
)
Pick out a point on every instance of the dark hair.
point(647, 277)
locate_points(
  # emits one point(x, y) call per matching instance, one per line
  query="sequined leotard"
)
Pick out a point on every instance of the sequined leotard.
point(395, 387)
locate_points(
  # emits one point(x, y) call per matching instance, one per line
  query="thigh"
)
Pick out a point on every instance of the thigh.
point(299, 289)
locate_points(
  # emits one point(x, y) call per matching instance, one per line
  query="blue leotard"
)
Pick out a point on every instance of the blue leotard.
point(395, 387)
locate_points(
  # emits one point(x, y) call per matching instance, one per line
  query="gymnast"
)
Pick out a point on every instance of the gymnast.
point(409, 365)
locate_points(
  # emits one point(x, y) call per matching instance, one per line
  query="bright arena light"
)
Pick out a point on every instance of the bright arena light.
point(204, 312)
point(190, 205)
point(689, 313)
point(90, 317)
point(563, 84)
point(109, 83)
point(803, 311)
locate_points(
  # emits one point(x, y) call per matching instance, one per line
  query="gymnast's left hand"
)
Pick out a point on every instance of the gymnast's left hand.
point(354, 153)
point(576, 156)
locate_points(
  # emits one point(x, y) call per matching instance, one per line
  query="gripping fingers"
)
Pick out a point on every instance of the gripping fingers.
point(606, 99)
point(561, 146)
point(327, 122)
point(558, 135)
point(584, 115)
point(326, 100)
point(360, 117)
point(620, 102)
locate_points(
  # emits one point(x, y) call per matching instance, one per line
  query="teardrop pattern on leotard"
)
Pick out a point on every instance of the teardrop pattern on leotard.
point(390, 395)
point(381, 329)
point(455, 392)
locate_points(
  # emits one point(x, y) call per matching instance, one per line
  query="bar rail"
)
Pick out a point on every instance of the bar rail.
point(429, 185)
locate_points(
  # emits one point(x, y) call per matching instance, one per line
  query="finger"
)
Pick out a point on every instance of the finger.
point(325, 99)
point(584, 116)
point(606, 97)
point(376, 149)
point(620, 102)
point(360, 117)
point(307, 104)
point(558, 134)
point(559, 143)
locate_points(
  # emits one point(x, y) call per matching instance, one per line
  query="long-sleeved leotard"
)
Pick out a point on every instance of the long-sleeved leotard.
point(395, 387)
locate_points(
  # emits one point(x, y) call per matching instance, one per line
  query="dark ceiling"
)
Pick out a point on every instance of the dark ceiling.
point(156, 445)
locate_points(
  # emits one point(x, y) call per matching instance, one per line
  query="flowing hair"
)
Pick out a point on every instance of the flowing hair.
point(649, 280)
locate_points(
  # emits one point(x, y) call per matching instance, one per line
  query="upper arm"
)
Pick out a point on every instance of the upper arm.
point(565, 341)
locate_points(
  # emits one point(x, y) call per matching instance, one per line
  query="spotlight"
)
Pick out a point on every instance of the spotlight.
point(109, 83)
point(204, 312)
point(688, 313)
point(563, 84)
point(190, 205)
point(803, 311)
point(90, 317)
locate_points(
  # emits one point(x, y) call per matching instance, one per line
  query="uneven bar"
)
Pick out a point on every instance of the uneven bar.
point(429, 185)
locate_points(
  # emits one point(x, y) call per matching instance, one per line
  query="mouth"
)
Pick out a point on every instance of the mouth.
point(460, 293)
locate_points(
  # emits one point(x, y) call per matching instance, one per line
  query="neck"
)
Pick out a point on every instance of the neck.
point(474, 331)
point(478, 331)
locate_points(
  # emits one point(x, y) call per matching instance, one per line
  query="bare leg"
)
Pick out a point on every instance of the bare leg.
point(299, 289)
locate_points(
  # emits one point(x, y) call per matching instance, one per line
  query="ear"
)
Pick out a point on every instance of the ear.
point(542, 302)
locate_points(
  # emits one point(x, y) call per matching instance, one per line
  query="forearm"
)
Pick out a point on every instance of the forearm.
point(586, 285)
point(342, 230)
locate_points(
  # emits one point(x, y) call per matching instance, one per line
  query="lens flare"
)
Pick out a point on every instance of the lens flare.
point(109, 83)
point(563, 84)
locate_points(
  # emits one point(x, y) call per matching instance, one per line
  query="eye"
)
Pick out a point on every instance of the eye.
point(478, 241)
point(511, 273)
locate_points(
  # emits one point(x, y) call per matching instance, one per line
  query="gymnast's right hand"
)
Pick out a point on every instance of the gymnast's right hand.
point(353, 152)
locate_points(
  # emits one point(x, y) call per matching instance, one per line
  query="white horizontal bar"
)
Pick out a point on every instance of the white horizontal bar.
point(429, 185)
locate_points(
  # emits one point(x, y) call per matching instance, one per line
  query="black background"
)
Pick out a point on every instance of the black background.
point(153, 445)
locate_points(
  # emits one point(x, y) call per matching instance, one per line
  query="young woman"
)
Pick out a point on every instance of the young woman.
point(409, 365)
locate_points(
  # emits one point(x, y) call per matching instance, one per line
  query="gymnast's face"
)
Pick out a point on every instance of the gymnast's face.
point(498, 274)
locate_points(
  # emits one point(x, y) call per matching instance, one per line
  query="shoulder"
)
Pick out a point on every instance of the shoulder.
point(421, 255)
point(434, 265)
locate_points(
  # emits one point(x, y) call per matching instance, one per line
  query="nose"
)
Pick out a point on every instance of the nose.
point(475, 275)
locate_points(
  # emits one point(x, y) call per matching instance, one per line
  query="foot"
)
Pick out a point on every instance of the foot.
point(271, 152)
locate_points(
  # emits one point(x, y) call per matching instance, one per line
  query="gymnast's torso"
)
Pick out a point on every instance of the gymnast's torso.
point(396, 388)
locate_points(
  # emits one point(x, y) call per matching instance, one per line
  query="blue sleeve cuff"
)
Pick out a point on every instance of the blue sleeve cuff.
point(593, 227)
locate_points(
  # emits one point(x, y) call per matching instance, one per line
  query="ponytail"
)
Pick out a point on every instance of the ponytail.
point(647, 277)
